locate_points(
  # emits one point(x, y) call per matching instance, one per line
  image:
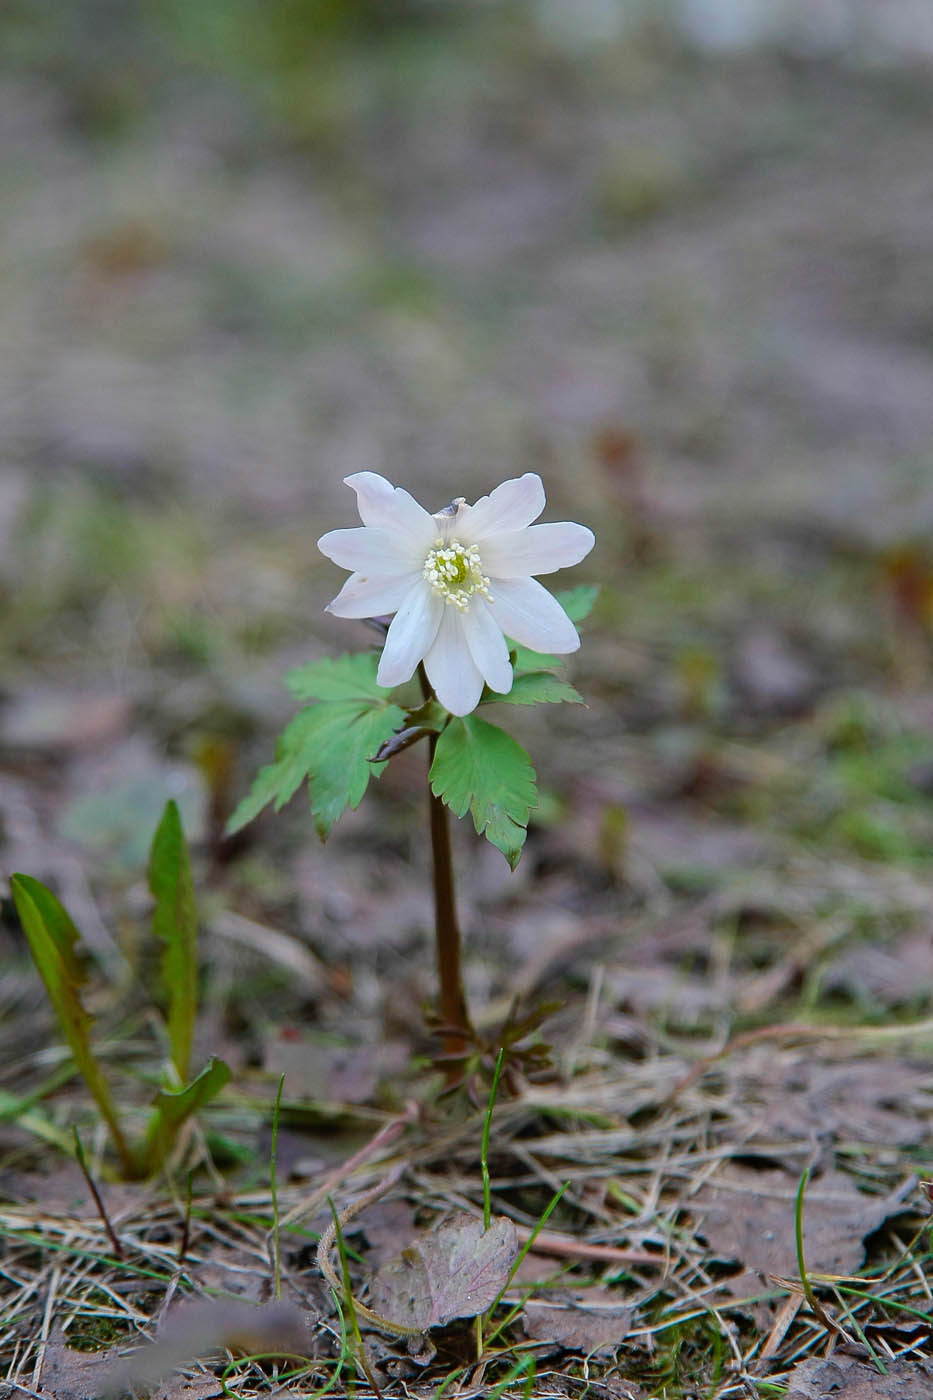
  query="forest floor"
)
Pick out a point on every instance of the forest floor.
point(696, 297)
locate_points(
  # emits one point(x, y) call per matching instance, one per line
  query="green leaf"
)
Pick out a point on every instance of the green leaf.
point(175, 923)
point(480, 768)
point(525, 660)
point(330, 744)
point(534, 687)
point(341, 771)
point(431, 717)
point(578, 602)
point(52, 938)
point(172, 1108)
point(34, 1121)
point(349, 677)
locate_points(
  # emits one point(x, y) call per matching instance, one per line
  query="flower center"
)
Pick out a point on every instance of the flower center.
point(455, 571)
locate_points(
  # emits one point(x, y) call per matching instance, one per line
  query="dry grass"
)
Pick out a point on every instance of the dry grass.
point(644, 1150)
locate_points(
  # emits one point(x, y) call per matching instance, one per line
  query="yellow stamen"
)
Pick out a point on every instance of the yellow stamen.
point(455, 571)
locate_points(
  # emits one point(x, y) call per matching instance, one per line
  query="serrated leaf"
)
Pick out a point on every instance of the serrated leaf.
point(535, 687)
point(172, 1108)
point(268, 784)
point(525, 660)
point(330, 744)
point(52, 938)
point(341, 773)
point(578, 602)
point(175, 923)
point(458, 1271)
point(479, 768)
point(348, 677)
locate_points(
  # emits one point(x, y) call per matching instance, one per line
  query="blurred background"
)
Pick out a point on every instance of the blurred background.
point(675, 256)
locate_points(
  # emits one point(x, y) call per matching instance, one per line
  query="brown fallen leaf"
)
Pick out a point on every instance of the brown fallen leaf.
point(862, 1100)
point(593, 1322)
point(456, 1271)
point(894, 976)
point(844, 1378)
point(333, 1073)
point(748, 1216)
point(387, 1225)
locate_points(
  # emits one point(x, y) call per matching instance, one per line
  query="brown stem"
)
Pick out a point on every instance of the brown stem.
point(453, 1007)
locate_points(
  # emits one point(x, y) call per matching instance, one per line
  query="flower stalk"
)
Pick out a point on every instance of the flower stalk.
point(453, 1007)
point(452, 1003)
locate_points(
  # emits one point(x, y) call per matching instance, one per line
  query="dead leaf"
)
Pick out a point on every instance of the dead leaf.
point(863, 1100)
point(63, 1191)
point(386, 1225)
point(457, 1271)
point(894, 976)
point(844, 1378)
point(590, 1322)
point(748, 1216)
point(333, 1073)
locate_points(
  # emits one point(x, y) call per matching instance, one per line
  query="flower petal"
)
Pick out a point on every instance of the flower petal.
point(410, 634)
point(511, 506)
point(454, 675)
point(488, 647)
point(388, 507)
point(539, 549)
point(527, 612)
point(371, 596)
point(370, 551)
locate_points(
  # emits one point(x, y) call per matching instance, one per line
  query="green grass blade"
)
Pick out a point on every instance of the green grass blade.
point(174, 922)
point(484, 1145)
point(52, 938)
point(274, 1191)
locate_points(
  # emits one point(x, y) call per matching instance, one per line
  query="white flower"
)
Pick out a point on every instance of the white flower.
point(458, 582)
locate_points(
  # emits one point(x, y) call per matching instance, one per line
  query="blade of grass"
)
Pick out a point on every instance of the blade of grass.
point(816, 1306)
point(52, 938)
point(361, 1356)
point(274, 1191)
point(484, 1146)
point(524, 1364)
point(860, 1332)
point(174, 922)
point(522, 1254)
point(484, 1166)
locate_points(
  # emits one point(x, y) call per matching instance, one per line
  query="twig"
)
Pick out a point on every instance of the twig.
point(386, 1134)
point(92, 1187)
point(563, 1246)
point(326, 1244)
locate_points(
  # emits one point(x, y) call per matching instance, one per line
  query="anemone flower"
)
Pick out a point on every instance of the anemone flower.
point(459, 582)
